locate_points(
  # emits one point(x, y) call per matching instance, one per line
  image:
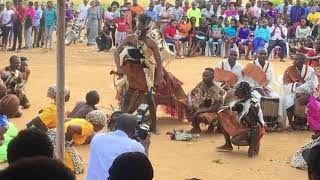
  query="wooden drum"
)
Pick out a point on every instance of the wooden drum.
point(270, 108)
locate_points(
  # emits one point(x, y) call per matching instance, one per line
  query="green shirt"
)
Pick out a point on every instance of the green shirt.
point(194, 13)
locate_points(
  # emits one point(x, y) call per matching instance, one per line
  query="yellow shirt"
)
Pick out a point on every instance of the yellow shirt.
point(49, 116)
point(87, 130)
point(314, 18)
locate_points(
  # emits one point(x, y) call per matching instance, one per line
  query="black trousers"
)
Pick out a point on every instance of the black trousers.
point(17, 29)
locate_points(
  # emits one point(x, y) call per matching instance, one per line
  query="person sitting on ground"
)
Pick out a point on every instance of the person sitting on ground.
point(82, 108)
point(294, 76)
point(24, 69)
point(47, 118)
point(105, 148)
point(7, 129)
point(29, 143)
point(37, 168)
point(203, 102)
point(169, 35)
point(241, 118)
point(14, 82)
point(136, 165)
point(103, 39)
point(81, 131)
point(306, 47)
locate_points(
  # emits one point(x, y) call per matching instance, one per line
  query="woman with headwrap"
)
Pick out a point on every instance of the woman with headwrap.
point(77, 132)
point(47, 116)
point(8, 105)
point(307, 95)
point(142, 74)
point(243, 121)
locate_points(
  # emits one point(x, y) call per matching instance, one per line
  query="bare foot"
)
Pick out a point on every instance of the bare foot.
point(225, 148)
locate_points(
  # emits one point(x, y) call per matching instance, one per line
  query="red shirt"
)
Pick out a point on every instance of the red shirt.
point(19, 13)
point(121, 24)
point(185, 9)
point(170, 32)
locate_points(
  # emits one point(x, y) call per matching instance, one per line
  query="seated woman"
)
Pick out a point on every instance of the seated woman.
point(244, 38)
point(169, 34)
point(203, 102)
point(243, 121)
point(200, 39)
point(302, 31)
point(78, 131)
point(47, 117)
point(8, 105)
point(82, 108)
point(308, 95)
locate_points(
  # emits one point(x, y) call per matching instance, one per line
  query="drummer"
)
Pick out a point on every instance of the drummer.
point(260, 75)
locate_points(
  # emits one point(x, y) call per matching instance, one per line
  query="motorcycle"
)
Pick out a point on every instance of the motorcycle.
point(75, 32)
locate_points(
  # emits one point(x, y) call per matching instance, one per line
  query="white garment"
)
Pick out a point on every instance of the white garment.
point(268, 69)
point(158, 8)
point(6, 16)
point(83, 11)
point(277, 33)
point(256, 11)
point(290, 89)
point(237, 68)
point(104, 148)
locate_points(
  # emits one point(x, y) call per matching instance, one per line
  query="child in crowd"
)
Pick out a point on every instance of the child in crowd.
point(82, 108)
point(121, 24)
point(24, 69)
point(244, 38)
point(215, 40)
point(230, 34)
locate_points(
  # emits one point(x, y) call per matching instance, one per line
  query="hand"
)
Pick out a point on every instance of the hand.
point(146, 142)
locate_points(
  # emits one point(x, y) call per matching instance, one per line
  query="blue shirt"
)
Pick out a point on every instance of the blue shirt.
point(263, 33)
point(230, 32)
point(296, 13)
point(308, 11)
point(50, 17)
point(153, 14)
point(37, 17)
point(104, 148)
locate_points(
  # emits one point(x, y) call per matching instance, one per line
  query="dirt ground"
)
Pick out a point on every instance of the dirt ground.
point(87, 69)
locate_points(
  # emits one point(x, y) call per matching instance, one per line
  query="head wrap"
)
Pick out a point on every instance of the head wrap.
point(307, 88)
point(244, 89)
point(97, 117)
point(9, 104)
point(52, 91)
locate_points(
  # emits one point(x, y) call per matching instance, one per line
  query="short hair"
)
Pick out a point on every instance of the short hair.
point(92, 97)
point(29, 143)
point(37, 168)
point(209, 69)
point(13, 58)
point(136, 166)
point(23, 58)
point(30, 3)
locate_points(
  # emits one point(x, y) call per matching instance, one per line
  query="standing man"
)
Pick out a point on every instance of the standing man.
point(19, 16)
point(178, 11)
point(296, 13)
point(136, 8)
point(36, 22)
point(278, 38)
point(105, 148)
point(41, 32)
point(6, 24)
point(194, 12)
point(82, 16)
point(151, 12)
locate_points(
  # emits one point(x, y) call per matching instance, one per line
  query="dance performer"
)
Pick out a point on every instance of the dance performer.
point(243, 121)
point(140, 78)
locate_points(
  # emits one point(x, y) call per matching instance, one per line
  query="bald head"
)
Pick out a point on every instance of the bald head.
point(262, 55)
point(232, 56)
point(127, 123)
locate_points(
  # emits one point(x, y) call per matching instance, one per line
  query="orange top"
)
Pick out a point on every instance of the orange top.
point(184, 29)
point(137, 9)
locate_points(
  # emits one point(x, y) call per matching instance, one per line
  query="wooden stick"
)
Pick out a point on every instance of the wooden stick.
point(60, 55)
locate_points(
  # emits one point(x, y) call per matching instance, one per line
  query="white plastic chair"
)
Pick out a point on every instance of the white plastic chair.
point(272, 51)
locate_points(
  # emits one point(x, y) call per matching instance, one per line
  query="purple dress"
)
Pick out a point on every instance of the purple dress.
point(243, 36)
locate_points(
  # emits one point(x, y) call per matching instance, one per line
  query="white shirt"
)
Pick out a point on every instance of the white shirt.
point(236, 69)
point(256, 11)
point(6, 16)
point(104, 148)
point(165, 13)
point(277, 33)
point(83, 11)
point(158, 8)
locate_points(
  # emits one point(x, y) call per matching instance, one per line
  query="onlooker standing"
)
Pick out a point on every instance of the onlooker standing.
point(296, 12)
point(83, 10)
point(121, 28)
point(92, 22)
point(158, 8)
point(278, 38)
point(194, 12)
point(41, 33)
point(166, 12)
point(129, 17)
point(314, 18)
point(207, 12)
point(177, 10)
point(50, 21)
point(105, 148)
point(136, 8)
point(6, 23)
point(151, 12)
point(19, 15)
point(36, 22)
point(28, 25)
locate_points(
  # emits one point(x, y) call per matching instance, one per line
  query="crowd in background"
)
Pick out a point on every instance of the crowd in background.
point(191, 28)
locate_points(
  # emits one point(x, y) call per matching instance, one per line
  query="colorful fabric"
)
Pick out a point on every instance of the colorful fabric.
point(314, 18)
point(50, 16)
point(256, 73)
point(10, 133)
point(313, 114)
point(86, 130)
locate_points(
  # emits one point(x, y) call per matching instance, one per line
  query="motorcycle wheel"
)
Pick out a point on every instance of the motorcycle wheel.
point(70, 36)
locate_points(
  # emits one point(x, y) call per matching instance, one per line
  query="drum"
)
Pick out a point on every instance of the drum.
point(270, 107)
point(300, 116)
